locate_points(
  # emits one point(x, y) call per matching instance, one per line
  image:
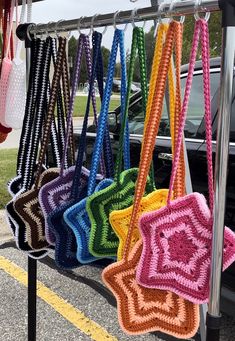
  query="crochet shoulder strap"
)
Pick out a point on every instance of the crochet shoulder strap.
point(108, 156)
point(138, 44)
point(52, 102)
point(200, 28)
point(91, 68)
point(9, 30)
point(58, 131)
point(27, 122)
point(117, 41)
point(40, 110)
point(33, 119)
point(152, 123)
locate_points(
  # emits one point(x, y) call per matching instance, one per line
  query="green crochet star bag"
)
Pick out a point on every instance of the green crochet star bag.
point(103, 241)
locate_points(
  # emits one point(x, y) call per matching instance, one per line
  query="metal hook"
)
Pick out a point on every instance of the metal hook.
point(196, 14)
point(28, 33)
point(182, 18)
point(92, 25)
point(160, 10)
point(79, 24)
point(93, 20)
point(39, 33)
point(57, 26)
point(114, 21)
point(134, 13)
point(48, 26)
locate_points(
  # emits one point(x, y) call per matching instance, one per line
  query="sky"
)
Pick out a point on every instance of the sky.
point(54, 10)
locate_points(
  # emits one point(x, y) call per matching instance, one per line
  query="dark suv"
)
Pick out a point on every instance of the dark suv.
point(196, 148)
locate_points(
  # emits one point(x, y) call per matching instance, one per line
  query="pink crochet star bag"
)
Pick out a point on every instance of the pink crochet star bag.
point(177, 239)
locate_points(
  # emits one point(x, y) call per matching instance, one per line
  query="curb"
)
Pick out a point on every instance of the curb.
point(5, 232)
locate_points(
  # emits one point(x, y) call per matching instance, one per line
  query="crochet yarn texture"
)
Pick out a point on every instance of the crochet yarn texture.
point(176, 254)
point(28, 202)
point(30, 136)
point(77, 219)
point(65, 245)
point(28, 208)
point(142, 310)
point(177, 239)
point(103, 241)
point(120, 220)
point(76, 216)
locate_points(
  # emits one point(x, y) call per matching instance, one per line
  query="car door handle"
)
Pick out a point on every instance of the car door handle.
point(165, 156)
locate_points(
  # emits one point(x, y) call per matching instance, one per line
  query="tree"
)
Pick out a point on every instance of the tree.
point(215, 40)
point(215, 36)
point(105, 54)
point(72, 49)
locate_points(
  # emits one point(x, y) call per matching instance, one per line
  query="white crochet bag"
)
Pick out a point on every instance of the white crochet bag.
point(16, 92)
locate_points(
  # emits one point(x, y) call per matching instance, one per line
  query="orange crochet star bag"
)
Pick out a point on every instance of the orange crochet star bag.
point(142, 310)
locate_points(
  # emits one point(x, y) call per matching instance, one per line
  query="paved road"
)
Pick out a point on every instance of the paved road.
point(64, 297)
point(72, 305)
point(13, 138)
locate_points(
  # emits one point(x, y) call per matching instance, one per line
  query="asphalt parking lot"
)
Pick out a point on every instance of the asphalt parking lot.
point(72, 305)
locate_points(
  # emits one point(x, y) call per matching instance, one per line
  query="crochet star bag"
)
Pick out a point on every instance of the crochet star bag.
point(57, 192)
point(76, 216)
point(30, 136)
point(27, 204)
point(16, 92)
point(65, 241)
point(142, 310)
point(177, 239)
point(103, 242)
point(120, 220)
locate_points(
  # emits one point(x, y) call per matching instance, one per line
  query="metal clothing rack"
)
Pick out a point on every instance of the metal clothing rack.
point(179, 8)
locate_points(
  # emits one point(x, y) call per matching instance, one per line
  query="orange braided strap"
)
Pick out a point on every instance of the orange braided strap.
point(151, 129)
point(162, 29)
point(120, 219)
point(142, 310)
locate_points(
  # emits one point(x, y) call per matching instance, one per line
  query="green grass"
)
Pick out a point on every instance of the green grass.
point(80, 105)
point(8, 159)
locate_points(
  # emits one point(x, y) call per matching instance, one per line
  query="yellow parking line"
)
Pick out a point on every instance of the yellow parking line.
point(69, 312)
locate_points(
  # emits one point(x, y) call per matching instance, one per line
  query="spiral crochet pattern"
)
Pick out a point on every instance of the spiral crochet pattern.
point(177, 239)
point(77, 219)
point(120, 220)
point(142, 310)
point(27, 204)
point(76, 216)
point(30, 136)
point(177, 248)
point(103, 241)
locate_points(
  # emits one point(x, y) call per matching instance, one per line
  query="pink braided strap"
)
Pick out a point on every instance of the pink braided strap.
point(177, 239)
point(200, 27)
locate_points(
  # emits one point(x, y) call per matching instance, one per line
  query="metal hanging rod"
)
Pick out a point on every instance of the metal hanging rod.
point(185, 7)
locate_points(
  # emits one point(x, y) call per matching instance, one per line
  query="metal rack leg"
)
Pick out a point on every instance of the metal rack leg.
point(32, 298)
point(223, 130)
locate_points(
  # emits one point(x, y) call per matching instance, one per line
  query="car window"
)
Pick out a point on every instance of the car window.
point(195, 112)
point(232, 122)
